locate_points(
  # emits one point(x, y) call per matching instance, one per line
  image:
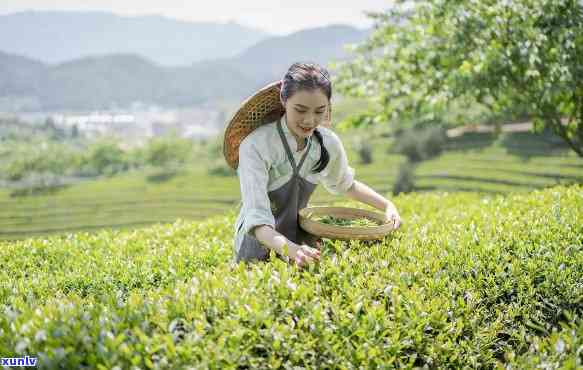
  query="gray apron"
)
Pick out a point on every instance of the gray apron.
point(286, 201)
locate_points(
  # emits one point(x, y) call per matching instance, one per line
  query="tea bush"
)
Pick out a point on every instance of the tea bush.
point(220, 168)
point(405, 181)
point(168, 152)
point(364, 151)
point(420, 144)
point(102, 157)
point(53, 158)
point(470, 280)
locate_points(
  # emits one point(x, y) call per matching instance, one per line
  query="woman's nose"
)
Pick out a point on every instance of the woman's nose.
point(309, 120)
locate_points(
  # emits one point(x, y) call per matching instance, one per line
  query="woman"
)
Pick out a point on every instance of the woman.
point(282, 150)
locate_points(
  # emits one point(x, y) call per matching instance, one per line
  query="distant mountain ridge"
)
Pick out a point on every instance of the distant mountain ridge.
point(121, 79)
point(112, 81)
point(268, 59)
point(58, 36)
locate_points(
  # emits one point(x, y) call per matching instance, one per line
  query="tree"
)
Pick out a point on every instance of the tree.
point(106, 157)
point(75, 131)
point(423, 56)
point(168, 153)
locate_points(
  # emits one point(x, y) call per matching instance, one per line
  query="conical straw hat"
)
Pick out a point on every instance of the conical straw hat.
point(262, 107)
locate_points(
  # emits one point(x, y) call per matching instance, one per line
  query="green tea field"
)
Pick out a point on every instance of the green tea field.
point(130, 200)
point(470, 281)
point(122, 221)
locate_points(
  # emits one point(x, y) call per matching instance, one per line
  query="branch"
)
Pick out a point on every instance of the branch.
point(561, 131)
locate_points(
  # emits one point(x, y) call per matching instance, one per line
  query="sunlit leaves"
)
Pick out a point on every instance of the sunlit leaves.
point(527, 52)
point(470, 279)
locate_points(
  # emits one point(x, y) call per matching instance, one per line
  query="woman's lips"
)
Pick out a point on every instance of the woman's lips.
point(306, 130)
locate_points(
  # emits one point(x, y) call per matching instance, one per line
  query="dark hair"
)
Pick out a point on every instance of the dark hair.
point(309, 76)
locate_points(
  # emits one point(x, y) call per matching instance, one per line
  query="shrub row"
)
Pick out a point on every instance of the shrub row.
point(469, 281)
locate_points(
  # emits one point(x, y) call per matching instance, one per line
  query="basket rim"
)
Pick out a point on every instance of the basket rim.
point(344, 232)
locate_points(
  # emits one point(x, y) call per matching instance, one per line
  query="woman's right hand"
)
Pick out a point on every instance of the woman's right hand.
point(303, 254)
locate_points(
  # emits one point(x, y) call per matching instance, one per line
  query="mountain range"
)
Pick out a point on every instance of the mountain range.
point(119, 79)
point(58, 36)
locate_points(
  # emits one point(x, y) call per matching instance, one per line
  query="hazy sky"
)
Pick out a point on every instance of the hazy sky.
point(275, 16)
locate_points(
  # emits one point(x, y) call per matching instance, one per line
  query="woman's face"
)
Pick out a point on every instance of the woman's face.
point(305, 110)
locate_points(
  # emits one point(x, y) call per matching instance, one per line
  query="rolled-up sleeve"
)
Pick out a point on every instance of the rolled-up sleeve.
point(253, 177)
point(338, 176)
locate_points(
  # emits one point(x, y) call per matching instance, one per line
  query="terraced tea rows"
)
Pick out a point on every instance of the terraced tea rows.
point(130, 200)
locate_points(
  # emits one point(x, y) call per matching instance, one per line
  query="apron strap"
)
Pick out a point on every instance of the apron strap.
point(289, 152)
point(305, 154)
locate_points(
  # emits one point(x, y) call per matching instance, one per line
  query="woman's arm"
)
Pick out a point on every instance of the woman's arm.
point(339, 179)
point(300, 254)
point(270, 238)
point(364, 194)
point(258, 218)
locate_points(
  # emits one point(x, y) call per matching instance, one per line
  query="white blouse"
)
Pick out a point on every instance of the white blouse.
point(264, 166)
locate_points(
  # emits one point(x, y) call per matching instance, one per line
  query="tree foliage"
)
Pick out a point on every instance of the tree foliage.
point(168, 152)
point(423, 56)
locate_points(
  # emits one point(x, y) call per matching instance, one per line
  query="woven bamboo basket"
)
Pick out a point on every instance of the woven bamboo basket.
point(344, 232)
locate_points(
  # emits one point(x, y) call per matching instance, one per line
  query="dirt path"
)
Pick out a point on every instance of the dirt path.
point(511, 127)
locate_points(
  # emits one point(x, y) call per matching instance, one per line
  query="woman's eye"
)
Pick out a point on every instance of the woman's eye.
point(304, 111)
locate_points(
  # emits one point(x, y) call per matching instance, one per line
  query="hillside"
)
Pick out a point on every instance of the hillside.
point(482, 280)
point(269, 59)
point(55, 37)
point(116, 80)
point(516, 162)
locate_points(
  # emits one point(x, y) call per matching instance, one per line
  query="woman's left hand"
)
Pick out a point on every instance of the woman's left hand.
point(392, 215)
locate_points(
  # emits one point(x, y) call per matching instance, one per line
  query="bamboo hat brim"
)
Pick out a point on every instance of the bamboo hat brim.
point(263, 107)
